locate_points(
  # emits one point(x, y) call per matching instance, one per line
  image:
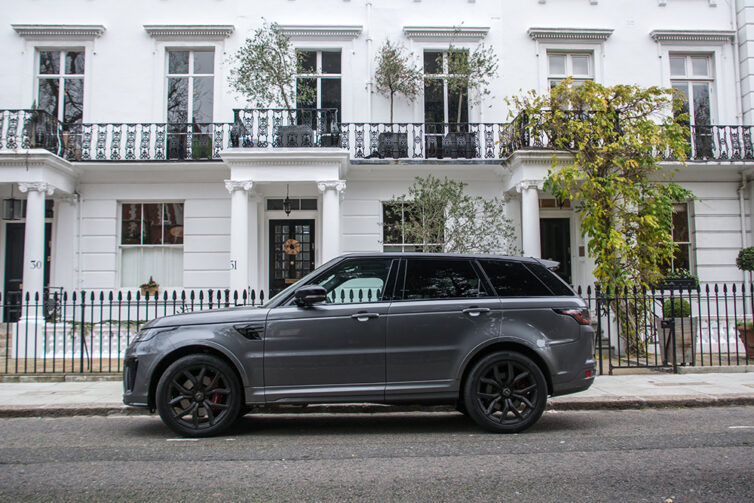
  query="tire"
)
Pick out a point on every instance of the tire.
point(198, 396)
point(505, 392)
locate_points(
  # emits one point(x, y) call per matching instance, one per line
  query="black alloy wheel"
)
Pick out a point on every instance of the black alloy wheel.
point(505, 392)
point(198, 396)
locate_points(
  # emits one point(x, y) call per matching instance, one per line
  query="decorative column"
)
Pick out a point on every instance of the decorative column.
point(34, 237)
point(530, 217)
point(331, 192)
point(239, 233)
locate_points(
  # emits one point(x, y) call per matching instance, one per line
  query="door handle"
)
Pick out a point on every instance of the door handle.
point(476, 311)
point(364, 316)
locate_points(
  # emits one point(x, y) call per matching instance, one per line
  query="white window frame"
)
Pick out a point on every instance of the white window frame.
point(60, 77)
point(318, 75)
point(444, 77)
point(190, 76)
point(689, 78)
point(543, 49)
point(690, 242)
point(569, 54)
point(403, 246)
point(122, 246)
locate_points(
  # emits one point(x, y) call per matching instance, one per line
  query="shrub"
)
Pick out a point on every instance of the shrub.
point(745, 259)
point(676, 308)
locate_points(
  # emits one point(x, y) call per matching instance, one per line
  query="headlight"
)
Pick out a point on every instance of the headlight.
point(145, 334)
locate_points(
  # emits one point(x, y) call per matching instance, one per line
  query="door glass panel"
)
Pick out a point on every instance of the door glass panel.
point(203, 98)
point(441, 279)
point(291, 252)
point(48, 96)
point(434, 106)
point(701, 104)
point(458, 111)
point(356, 281)
point(432, 62)
point(307, 61)
point(178, 100)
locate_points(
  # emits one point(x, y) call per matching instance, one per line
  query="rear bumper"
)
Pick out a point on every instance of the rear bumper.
point(579, 383)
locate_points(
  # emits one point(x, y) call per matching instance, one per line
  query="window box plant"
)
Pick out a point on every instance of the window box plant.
point(678, 279)
point(677, 325)
point(150, 288)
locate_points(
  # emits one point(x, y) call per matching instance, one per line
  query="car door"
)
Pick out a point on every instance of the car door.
point(333, 350)
point(444, 311)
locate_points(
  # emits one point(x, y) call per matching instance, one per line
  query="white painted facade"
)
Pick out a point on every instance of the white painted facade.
point(225, 218)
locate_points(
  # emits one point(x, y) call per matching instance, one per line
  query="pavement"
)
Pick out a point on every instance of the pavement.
point(74, 395)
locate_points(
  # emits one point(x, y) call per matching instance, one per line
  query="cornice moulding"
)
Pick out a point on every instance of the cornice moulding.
point(693, 35)
point(322, 32)
point(600, 34)
point(59, 31)
point(446, 33)
point(190, 32)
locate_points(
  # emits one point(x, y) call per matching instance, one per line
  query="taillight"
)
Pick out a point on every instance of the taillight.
point(580, 315)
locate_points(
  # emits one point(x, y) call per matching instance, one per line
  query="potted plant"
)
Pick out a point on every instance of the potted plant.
point(265, 72)
point(150, 288)
point(678, 279)
point(677, 324)
point(395, 74)
point(745, 330)
point(470, 73)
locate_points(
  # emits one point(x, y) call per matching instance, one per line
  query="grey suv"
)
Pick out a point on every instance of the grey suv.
point(492, 335)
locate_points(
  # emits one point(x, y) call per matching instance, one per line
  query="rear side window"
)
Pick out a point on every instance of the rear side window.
point(513, 279)
point(551, 279)
point(441, 279)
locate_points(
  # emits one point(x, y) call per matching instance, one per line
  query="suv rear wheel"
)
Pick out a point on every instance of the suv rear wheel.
point(198, 396)
point(505, 392)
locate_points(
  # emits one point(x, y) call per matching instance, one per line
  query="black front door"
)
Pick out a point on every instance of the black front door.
point(291, 252)
point(14, 268)
point(555, 239)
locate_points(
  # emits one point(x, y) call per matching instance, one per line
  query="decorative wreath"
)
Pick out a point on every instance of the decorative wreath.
point(292, 247)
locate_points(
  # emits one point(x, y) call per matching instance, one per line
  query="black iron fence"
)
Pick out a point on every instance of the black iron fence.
point(82, 332)
point(667, 328)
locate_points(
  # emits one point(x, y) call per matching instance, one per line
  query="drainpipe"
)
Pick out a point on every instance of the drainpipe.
point(368, 34)
point(737, 64)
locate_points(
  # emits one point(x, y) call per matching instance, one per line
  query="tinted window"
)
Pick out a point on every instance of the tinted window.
point(552, 280)
point(355, 280)
point(441, 279)
point(513, 279)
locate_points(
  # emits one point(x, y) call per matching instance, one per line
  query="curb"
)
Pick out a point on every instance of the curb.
point(554, 405)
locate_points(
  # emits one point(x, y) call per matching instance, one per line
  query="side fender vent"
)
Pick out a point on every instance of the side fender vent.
point(253, 332)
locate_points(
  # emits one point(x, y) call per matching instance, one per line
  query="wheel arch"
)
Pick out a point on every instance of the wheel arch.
point(504, 345)
point(191, 349)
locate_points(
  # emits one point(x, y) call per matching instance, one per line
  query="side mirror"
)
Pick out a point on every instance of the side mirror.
point(309, 294)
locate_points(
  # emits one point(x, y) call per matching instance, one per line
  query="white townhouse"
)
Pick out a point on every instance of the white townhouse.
point(124, 155)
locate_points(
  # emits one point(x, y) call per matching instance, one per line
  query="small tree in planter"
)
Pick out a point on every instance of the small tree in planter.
point(677, 324)
point(265, 71)
point(395, 74)
point(745, 262)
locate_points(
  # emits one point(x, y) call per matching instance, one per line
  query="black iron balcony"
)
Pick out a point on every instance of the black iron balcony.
point(285, 128)
point(29, 129)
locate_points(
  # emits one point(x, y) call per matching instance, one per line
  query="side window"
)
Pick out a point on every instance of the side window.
point(513, 279)
point(555, 283)
point(361, 280)
point(441, 279)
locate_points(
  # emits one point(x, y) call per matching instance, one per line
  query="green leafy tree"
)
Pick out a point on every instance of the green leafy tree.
point(470, 72)
point(265, 69)
point(395, 74)
point(441, 216)
point(614, 138)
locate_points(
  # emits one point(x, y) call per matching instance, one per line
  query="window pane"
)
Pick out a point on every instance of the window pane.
point(74, 62)
point(432, 62)
point(178, 100)
point(49, 62)
point(434, 103)
point(555, 283)
point(307, 61)
point(331, 94)
point(512, 279)
point(677, 65)
point(458, 106)
point(130, 229)
point(701, 104)
point(356, 281)
point(392, 230)
point(440, 279)
point(580, 64)
point(683, 88)
point(73, 104)
point(557, 64)
point(204, 62)
point(331, 62)
point(48, 96)
point(700, 66)
point(178, 61)
point(163, 264)
point(681, 258)
point(680, 223)
point(306, 86)
point(274, 204)
point(203, 99)
point(152, 224)
point(308, 204)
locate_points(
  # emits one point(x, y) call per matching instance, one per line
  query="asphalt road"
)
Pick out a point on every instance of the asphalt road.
point(643, 455)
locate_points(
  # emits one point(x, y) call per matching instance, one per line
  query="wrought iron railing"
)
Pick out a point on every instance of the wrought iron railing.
point(23, 129)
point(285, 128)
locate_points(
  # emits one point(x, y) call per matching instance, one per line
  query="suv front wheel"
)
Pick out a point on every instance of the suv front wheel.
point(198, 396)
point(505, 392)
